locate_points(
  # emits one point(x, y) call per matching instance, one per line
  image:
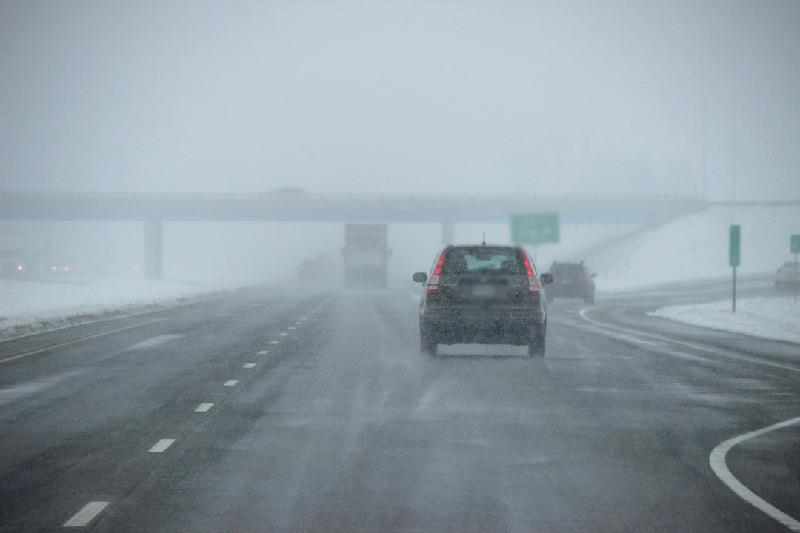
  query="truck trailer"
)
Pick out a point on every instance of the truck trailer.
point(366, 255)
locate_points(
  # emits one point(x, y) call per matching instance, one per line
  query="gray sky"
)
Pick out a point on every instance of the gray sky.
point(401, 96)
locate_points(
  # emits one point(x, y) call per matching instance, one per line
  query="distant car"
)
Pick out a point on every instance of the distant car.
point(785, 276)
point(483, 294)
point(60, 268)
point(11, 269)
point(571, 280)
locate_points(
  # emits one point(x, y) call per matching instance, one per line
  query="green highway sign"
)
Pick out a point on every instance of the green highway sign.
point(534, 228)
point(795, 242)
point(735, 244)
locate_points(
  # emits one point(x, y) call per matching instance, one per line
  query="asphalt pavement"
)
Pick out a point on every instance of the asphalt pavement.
point(313, 410)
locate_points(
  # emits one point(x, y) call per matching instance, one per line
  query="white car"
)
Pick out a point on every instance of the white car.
point(786, 277)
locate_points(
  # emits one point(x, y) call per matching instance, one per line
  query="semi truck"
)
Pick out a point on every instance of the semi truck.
point(366, 255)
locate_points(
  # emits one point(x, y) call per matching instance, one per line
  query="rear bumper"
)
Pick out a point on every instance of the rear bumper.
point(509, 326)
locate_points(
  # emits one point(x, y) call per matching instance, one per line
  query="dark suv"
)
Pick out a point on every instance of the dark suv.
point(571, 280)
point(483, 294)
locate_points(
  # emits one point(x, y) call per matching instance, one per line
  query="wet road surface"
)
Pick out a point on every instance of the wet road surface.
point(301, 410)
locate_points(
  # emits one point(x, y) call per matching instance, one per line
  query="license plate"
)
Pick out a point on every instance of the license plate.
point(483, 291)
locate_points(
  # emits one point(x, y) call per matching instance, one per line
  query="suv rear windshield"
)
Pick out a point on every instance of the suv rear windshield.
point(483, 259)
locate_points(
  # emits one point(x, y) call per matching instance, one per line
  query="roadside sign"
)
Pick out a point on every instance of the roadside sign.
point(794, 242)
point(734, 245)
point(735, 242)
point(534, 228)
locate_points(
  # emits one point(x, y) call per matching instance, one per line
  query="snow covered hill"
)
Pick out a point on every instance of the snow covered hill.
point(695, 247)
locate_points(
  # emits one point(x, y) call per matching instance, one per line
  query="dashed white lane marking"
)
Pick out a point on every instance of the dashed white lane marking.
point(161, 445)
point(231, 382)
point(274, 342)
point(291, 327)
point(203, 407)
point(720, 468)
point(86, 514)
point(262, 352)
point(152, 342)
point(248, 365)
point(283, 334)
point(297, 323)
point(707, 349)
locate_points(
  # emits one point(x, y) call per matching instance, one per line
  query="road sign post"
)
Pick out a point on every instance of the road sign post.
point(794, 247)
point(734, 245)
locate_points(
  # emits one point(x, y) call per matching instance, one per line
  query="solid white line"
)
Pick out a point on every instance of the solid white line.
point(263, 352)
point(231, 382)
point(283, 334)
point(86, 514)
point(274, 342)
point(248, 365)
point(707, 349)
point(203, 407)
point(720, 468)
point(161, 445)
point(76, 341)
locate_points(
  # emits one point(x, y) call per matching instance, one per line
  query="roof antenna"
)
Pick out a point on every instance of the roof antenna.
point(484, 238)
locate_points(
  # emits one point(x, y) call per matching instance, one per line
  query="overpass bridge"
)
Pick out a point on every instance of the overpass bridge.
point(448, 209)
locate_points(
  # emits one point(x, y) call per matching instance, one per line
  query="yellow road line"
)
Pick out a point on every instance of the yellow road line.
point(76, 341)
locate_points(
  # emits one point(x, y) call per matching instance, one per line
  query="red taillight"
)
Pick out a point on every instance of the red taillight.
point(533, 281)
point(433, 282)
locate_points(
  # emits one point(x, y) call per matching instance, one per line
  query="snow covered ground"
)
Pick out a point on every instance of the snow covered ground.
point(27, 306)
point(772, 318)
point(695, 247)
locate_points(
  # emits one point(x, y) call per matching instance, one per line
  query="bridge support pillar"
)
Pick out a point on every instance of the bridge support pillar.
point(448, 232)
point(153, 249)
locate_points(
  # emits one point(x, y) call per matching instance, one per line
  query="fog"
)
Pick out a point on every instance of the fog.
point(682, 98)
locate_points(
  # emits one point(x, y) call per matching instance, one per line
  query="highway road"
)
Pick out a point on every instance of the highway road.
point(285, 409)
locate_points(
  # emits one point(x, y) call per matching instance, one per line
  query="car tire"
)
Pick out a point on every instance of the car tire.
point(427, 344)
point(536, 347)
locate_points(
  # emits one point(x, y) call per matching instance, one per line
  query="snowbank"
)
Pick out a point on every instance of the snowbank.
point(695, 247)
point(28, 306)
point(771, 318)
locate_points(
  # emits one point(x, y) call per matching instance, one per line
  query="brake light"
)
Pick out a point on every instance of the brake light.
point(433, 283)
point(533, 281)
